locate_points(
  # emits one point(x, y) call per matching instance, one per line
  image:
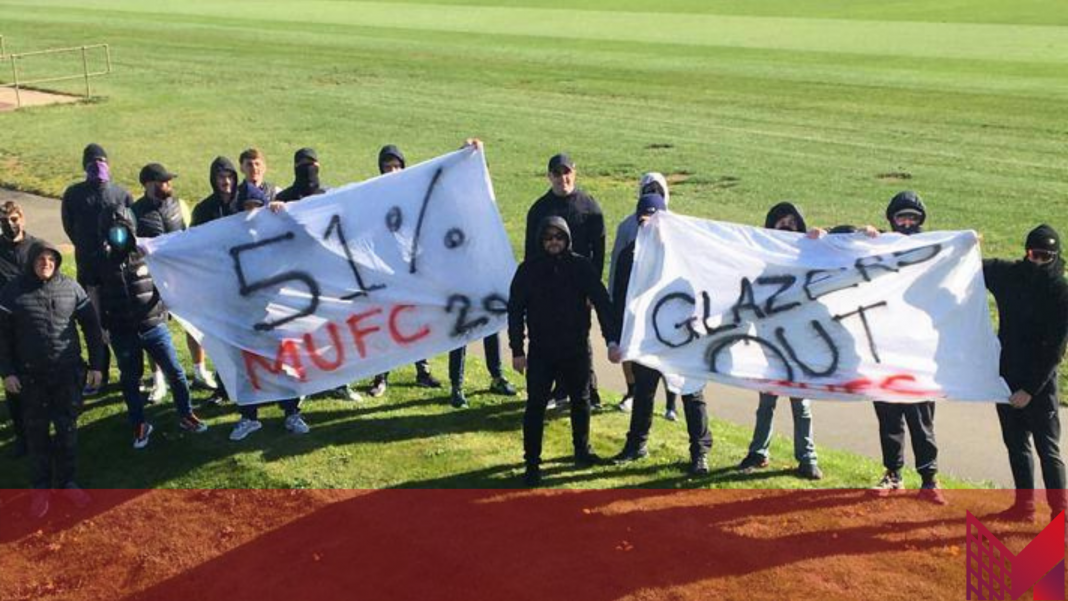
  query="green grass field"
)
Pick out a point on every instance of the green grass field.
point(836, 104)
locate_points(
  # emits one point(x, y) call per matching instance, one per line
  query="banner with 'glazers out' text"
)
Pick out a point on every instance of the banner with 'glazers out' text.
point(894, 318)
point(343, 285)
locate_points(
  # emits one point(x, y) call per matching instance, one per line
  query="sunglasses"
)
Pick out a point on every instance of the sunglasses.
point(1043, 256)
point(551, 237)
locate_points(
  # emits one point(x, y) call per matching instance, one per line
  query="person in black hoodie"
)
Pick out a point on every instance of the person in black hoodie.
point(1032, 300)
point(390, 160)
point(223, 179)
point(132, 310)
point(15, 245)
point(584, 217)
point(786, 217)
point(41, 358)
point(907, 214)
point(647, 380)
point(550, 297)
point(306, 177)
point(80, 210)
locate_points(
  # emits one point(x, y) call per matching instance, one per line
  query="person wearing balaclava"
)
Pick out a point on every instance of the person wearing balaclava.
point(1032, 301)
point(906, 215)
point(784, 216)
point(646, 380)
point(549, 304)
point(41, 359)
point(15, 245)
point(80, 209)
point(585, 219)
point(306, 177)
point(650, 183)
point(391, 160)
point(132, 310)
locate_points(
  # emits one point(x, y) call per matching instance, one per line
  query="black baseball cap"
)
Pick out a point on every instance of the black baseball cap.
point(305, 154)
point(561, 160)
point(154, 172)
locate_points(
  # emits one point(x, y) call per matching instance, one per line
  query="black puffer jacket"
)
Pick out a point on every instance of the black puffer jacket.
point(1033, 320)
point(584, 218)
point(155, 218)
point(215, 207)
point(37, 331)
point(14, 257)
point(129, 301)
point(81, 208)
point(550, 295)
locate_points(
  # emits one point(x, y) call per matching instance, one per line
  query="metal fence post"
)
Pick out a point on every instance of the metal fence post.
point(85, 68)
point(15, 78)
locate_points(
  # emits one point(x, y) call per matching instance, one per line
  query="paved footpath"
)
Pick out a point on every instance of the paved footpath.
point(969, 437)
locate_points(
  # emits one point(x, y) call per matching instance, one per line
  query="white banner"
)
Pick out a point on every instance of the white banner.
point(893, 318)
point(343, 285)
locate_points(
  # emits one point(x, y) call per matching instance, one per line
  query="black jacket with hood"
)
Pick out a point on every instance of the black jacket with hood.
point(80, 209)
point(549, 297)
point(1033, 318)
point(129, 301)
point(214, 207)
point(305, 183)
point(37, 331)
point(783, 209)
point(583, 216)
point(906, 200)
point(14, 257)
point(158, 217)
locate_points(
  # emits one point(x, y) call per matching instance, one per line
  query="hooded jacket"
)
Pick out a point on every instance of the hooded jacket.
point(1032, 318)
point(129, 301)
point(549, 297)
point(158, 217)
point(37, 331)
point(80, 210)
point(214, 207)
point(906, 200)
point(627, 231)
point(14, 257)
point(584, 218)
point(783, 209)
point(305, 183)
point(389, 151)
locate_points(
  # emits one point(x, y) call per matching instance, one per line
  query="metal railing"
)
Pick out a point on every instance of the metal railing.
point(86, 74)
point(3, 53)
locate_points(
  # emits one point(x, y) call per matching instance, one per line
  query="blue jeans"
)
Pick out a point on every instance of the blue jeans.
point(130, 348)
point(804, 444)
point(457, 357)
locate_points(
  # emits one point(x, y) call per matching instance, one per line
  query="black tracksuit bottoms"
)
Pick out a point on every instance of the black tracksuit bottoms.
point(646, 381)
point(920, 420)
point(573, 370)
point(1039, 420)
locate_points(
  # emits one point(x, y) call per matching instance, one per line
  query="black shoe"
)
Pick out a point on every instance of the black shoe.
point(378, 387)
point(809, 471)
point(426, 380)
point(699, 466)
point(502, 387)
point(458, 400)
point(752, 462)
point(588, 459)
point(18, 449)
point(629, 454)
point(215, 400)
point(532, 476)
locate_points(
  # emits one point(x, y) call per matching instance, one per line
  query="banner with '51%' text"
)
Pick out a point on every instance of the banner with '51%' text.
point(344, 285)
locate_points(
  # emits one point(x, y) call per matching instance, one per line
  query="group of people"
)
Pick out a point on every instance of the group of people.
point(115, 304)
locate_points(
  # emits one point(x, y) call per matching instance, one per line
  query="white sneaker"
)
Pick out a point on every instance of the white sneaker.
point(202, 378)
point(296, 424)
point(671, 416)
point(551, 405)
point(626, 404)
point(245, 427)
point(159, 388)
point(141, 434)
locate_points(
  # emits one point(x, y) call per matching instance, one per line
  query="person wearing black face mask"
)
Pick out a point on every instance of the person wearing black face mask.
point(306, 177)
point(82, 205)
point(1032, 300)
point(907, 214)
point(15, 245)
